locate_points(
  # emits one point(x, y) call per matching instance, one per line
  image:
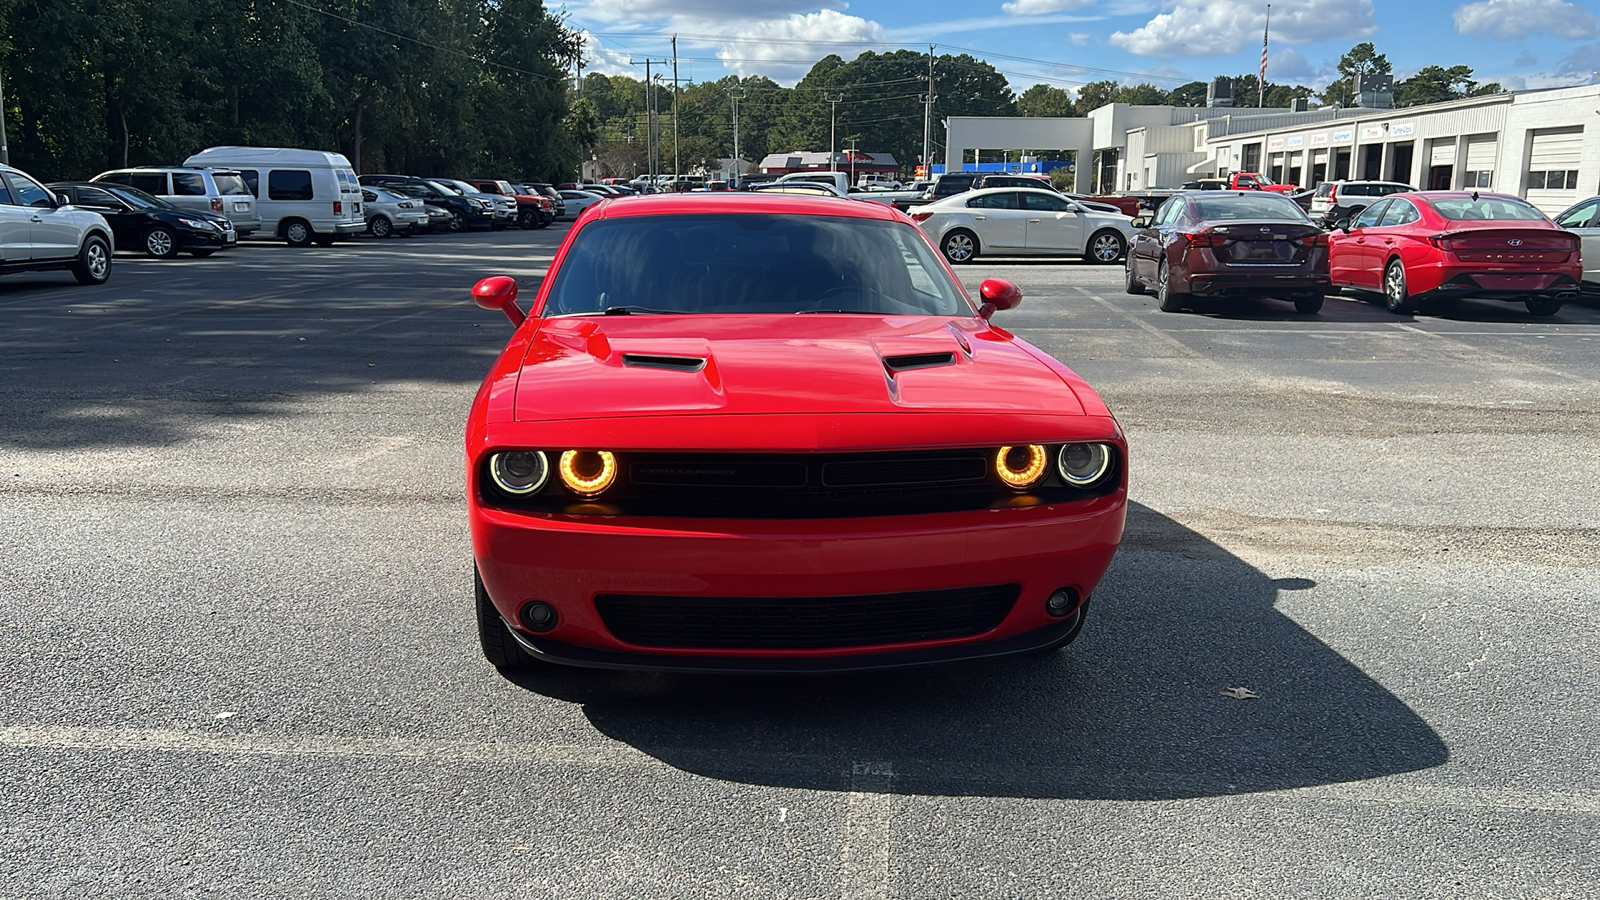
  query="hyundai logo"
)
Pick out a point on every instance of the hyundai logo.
point(1515, 242)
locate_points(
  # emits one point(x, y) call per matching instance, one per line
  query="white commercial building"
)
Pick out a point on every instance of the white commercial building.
point(1541, 144)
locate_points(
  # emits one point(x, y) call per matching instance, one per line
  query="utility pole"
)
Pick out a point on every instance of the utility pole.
point(5, 151)
point(927, 120)
point(651, 141)
point(676, 172)
point(735, 94)
point(853, 160)
point(833, 144)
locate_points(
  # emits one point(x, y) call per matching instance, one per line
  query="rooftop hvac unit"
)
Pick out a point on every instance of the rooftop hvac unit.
point(1219, 92)
point(1375, 91)
point(1300, 104)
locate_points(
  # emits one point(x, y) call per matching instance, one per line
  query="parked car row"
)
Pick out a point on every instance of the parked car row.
point(1411, 249)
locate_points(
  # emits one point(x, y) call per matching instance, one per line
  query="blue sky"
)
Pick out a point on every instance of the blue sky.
point(1520, 43)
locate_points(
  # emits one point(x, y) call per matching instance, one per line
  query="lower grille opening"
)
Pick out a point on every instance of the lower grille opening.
point(805, 623)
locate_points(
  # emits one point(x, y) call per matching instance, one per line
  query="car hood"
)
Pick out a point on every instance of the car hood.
point(589, 367)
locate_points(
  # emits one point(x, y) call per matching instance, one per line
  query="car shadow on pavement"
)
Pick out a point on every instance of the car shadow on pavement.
point(1134, 710)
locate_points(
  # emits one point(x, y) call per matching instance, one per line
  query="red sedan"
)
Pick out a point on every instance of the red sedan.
point(1426, 245)
point(743, 432)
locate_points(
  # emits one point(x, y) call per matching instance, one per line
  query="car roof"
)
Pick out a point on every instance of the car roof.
point(746, 202)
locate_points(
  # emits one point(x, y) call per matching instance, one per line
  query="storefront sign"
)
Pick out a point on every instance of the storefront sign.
point(1372, 132)
point(1275, 143)
point(1341, 137)
point(1403, 130)
point(1320, 139)
point(1298, 140)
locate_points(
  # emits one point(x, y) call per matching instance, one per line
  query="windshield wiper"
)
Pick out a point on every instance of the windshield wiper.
point(636, 310)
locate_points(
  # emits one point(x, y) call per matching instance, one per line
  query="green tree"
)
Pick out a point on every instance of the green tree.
point(1362, 59)
point(1191, 94)
point(1045, 100)
point(1096, 94)
point(1142, 95)
point(1436, 84)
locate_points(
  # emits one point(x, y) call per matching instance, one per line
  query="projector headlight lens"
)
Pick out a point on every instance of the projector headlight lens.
point(1083, 465)
point(588, 473)
point(519, 472)
point(1020, 467)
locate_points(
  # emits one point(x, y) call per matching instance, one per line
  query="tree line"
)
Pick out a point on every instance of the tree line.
point(448, 87)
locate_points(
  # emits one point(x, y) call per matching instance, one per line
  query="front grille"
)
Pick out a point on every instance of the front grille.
point(887, 472)
point(805, 623)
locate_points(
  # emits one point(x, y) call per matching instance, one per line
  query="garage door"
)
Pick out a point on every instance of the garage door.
point(1552, 178)
point(1479, 170)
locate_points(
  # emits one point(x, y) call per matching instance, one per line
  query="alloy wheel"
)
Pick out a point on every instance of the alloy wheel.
point(97, 260)
point(958, 247)
point(160, 242)
point(1394, 288)
point(1107, 248)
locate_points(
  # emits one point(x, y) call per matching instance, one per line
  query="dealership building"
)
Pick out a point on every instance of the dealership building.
point(1543, 145)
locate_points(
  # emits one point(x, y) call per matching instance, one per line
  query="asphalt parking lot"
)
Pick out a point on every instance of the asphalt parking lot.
point(238, 656)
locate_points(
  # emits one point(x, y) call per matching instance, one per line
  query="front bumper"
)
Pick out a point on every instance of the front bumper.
point(567, 561)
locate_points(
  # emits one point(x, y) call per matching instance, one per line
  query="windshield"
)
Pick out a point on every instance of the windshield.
point(445, 189)
point(1253, 206)
point(742, 263)
point(138, 199)
point(1486, 208)
point(230, 184)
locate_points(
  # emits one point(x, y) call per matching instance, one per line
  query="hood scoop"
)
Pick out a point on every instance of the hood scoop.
point(905, 362)
point(662, 361)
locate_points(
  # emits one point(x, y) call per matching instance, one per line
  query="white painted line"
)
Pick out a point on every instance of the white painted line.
point(866, 850)
point(1472, 351)
point(1149, 329)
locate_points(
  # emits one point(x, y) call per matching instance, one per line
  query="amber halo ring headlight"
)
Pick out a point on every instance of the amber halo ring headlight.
point(1083, 465)
point(519, 472)
point(1021, 467)
point(588, 473)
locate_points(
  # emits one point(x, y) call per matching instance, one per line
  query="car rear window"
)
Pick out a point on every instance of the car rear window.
point(229, 184)
point(149, 182)
point(752, 263)
point(1466, 208)
point(1324, 189)
point(188, 184)
point(289, 184)
point(1251, 206)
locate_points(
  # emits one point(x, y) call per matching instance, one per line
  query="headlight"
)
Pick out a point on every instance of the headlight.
point(1083, 465)
point(588, 472)
point(1020, 467)
point(481, 204)
point(196, 223)
point(519, 472)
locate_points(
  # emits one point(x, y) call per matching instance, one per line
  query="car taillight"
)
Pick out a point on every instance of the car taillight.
point(338, 207)
point(921, 216)
point(1333, 192)
point(1205, 239)
point(216, 204)
point(1314, 240)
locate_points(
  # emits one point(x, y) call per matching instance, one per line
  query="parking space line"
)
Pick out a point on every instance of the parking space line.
point(1149, 329)
point(1472, 350)
point(866, 857)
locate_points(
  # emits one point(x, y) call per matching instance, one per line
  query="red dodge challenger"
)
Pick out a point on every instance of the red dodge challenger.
point(772, 434)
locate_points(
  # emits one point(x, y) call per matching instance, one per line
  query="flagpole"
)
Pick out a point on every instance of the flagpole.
point(1261, 80)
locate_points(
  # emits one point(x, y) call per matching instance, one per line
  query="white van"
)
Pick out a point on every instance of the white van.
point(301, 195)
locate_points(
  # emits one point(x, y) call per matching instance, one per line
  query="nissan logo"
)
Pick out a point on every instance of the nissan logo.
point(1515, 242)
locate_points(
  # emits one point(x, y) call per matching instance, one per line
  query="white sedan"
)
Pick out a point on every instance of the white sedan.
point(1022, 222)
point(1583, 220)
point(578, 201)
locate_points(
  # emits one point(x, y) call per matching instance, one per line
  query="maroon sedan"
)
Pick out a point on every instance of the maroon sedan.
point(1230, 244)
point(1440, 244)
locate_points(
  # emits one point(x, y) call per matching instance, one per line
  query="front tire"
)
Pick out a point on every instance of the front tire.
point(1543, 306)
point(1131, 282)
point(458, 220)
point(1396, 296)
point(494, 635)
point(94, 261)
point(298, 233)
point(1169, 300)
point(959, 246)
point(161, 242)
point(380, 226)
point(1105, 248)
point(1308, 304)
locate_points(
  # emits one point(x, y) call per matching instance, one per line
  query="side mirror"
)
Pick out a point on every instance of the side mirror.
point(998, 294)
point(499, 292)
point(1143, 221)
point(63, 200)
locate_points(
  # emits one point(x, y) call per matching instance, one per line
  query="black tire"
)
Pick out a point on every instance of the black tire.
point(161, 242)
point(458, 221)
point(298, 233)
point(959, 246)
point(1543, 306)
point(1105, 248)
point(381, 226)
point(94, 261)
point(201, 254)
point(545, 218)
point(1396, 296)
point(1131, 283)
point(1168, 299)
point(1308, 304)
point(499, 647)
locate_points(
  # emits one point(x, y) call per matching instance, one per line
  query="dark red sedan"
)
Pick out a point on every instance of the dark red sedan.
point(772, 433)
point(1429, 245)
point(1229, 244)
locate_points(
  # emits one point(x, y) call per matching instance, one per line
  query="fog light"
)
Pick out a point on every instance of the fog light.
point(1020, 467)
point(1062, 602)
point(587, 473)
point(538, 615)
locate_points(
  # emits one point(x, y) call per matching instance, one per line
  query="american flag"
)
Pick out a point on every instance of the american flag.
point(1261, 80)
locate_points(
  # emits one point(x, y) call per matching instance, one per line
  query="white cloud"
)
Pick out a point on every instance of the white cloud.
point(1512, 19)
point(778, 60)
point(1041, 7)
point(599, 58)
point(1288, 65)
point(1220, 27)
point(1078, 39)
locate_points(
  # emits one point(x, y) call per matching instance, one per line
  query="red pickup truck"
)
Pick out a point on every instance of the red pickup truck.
point(1246, 181)
point(533, 210)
